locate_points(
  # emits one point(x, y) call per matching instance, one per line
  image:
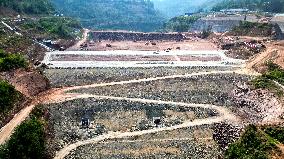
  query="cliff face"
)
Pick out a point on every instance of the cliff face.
point(138, 15)
point(220, 24)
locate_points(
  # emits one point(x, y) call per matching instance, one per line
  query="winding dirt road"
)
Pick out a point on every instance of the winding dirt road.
point(224, 115)
point(60, 95)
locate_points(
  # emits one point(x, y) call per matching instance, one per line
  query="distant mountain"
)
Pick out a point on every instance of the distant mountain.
point(136, 15)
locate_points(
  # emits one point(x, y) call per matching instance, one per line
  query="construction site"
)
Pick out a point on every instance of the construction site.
point(123, 94)
point(129, 96)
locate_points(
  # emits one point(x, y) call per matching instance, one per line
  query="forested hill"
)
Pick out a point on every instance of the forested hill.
point(137, 15)
point(27, 6)
point(172, 8)
point(275, 6)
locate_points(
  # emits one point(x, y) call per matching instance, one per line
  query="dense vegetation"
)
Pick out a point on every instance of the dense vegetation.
point(173, 8)
point(55, 27)
point(27, 142)
point(106, 14)
point(8, 97)
point(180, 23)
point(253, 144)
point(266, 81)
point(11, 61)
point(29, 139)
point(252, 29)
point(275, 6)
point(28, 6)
point(277, 132)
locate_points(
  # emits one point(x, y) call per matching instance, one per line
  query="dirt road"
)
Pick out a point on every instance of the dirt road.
point(224, 115)
point(80, 42)
point(59, 95)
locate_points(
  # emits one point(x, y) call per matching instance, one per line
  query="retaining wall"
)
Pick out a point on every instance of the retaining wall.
point(136, 36)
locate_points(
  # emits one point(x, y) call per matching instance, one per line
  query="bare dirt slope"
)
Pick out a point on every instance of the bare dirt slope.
point(29, 83)
point(274, 53)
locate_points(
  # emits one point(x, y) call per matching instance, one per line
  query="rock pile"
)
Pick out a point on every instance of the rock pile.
point(225, 134)
point(256, 105)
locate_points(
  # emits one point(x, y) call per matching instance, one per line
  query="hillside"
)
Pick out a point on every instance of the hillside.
point(179, 7)
point(180, 23)
point(275, 6)
point(26, 6)
point(121, 15)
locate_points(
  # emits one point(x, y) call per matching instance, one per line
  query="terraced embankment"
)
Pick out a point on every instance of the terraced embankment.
point(59, 96)
point(178, 110)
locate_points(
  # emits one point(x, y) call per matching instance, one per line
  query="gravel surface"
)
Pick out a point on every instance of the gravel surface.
point(109, 115)
point(147, 149)
point(206, 89)
point(75, 77)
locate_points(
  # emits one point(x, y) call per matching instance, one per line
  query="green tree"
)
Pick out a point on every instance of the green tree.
point(180, 24)
point(27, 142)
point(11, 61)
point(8, 96)
point(253, 144)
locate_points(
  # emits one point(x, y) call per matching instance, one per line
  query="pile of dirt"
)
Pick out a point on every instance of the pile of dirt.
point(243, 52)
